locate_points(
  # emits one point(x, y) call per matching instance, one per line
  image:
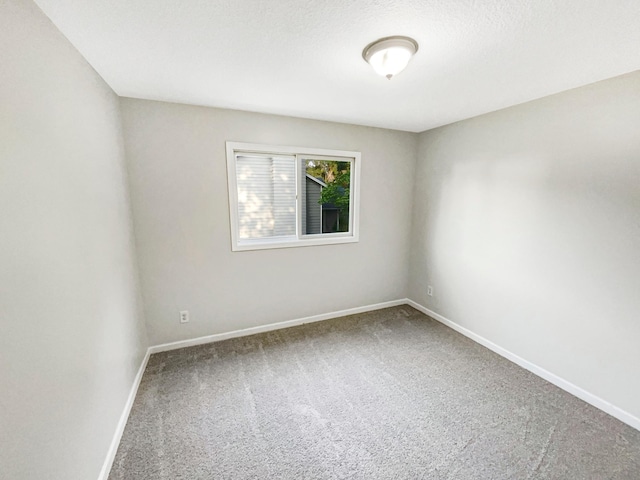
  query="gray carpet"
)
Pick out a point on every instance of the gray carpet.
point(389, 394)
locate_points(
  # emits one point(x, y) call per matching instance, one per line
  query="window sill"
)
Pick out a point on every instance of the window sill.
point(293, 242)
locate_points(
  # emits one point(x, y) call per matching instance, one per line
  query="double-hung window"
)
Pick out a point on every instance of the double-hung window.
point(291, 196)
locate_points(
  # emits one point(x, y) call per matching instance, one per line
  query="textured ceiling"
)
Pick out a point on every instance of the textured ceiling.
point(303, 57)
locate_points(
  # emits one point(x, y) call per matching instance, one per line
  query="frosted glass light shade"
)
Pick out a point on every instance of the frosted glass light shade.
point(390, 55)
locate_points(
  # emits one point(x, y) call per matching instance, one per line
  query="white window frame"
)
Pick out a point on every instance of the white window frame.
point(298, 240)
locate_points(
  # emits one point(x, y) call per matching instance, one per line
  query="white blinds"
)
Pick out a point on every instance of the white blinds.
point(266, 196)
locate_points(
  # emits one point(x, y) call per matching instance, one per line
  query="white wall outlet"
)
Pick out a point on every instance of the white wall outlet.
point(184, 316)
point(430, 291)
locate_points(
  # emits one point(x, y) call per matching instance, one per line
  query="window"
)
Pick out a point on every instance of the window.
point(291, 196)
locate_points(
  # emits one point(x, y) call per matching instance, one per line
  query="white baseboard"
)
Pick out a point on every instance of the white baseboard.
point(582, 394)
point(273, 326)
point(115, 442)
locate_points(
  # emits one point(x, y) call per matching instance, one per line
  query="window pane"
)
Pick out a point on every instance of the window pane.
point(266, 196)
point(325, 196)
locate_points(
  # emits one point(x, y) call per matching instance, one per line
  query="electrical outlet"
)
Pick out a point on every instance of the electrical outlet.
point(184, 316)
point(430, 291)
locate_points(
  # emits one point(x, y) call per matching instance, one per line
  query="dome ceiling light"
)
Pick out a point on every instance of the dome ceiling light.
point(390, 55)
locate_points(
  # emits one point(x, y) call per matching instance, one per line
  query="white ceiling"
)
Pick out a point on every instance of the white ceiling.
point(303, 57)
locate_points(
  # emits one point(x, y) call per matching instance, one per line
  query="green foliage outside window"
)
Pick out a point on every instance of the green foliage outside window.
point(337, 176)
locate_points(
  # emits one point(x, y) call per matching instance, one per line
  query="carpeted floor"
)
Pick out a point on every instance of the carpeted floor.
point(389, 394)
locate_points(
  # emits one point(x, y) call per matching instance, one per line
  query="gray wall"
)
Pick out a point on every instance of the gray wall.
point(177, 166)
point(527, 224)
point(71, 330)
point(313, 209)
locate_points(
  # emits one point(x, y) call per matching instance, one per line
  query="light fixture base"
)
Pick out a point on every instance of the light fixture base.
point(388, 42)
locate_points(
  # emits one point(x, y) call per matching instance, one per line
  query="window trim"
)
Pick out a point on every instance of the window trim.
point(299, 240)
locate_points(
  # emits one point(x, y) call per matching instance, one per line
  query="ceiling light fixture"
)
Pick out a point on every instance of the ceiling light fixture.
point(390, 55)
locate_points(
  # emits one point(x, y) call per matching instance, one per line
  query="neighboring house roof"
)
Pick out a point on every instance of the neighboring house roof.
point(317, 180)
